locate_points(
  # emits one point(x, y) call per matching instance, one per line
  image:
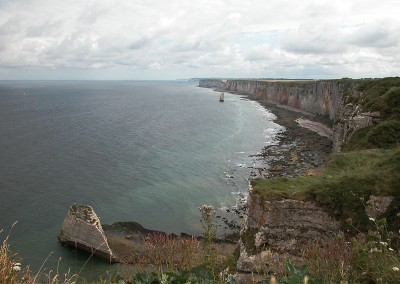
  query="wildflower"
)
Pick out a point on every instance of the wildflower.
point(391, 249)
point(384, 244)
point(395, 269)
point(16, 266)
point(375, 250)
point(371, 219)
point(207, 209)
point(164, 279)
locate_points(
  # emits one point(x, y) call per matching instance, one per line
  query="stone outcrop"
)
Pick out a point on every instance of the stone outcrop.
point(350, 118)
point(278, 230)
point(82, 229)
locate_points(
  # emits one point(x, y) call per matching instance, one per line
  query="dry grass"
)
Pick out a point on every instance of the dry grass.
point(12, 271)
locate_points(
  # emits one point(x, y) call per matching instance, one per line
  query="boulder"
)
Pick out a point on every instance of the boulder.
point(82, 229)
point(377, 206)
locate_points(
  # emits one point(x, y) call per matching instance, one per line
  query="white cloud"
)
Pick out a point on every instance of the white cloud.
point(161, 39)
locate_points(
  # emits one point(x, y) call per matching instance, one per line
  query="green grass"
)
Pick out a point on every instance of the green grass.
point(349, 178)
point(381, 96)
point(384, 135)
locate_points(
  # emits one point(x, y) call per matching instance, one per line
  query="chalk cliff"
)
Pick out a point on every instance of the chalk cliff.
point(320, 97)
point(82, 229)
point(324, 97)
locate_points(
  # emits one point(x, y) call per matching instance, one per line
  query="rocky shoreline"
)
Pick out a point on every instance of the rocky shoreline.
point(300, 151)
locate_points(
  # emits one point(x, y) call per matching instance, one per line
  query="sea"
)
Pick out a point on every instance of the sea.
point(145, 151)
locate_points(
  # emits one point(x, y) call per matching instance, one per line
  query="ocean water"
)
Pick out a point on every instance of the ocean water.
point(144, 151)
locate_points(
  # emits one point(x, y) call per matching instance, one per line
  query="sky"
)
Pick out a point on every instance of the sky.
point(176, 39)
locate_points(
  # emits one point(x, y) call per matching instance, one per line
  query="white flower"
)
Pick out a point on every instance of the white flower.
point(164, 279)
point(391, 249)
point(207, 209)
point(384, 243)
point(16, 266)
point(395, 269)
point(371, 219)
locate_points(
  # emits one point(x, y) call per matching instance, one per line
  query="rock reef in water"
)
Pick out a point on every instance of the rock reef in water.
point(82, 229)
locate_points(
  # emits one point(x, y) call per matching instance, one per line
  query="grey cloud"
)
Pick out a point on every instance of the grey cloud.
point(93, 12)
point(378, 35)
point(48, 28)
point(230, 37)
point(315, 38)
point(139, 43)
point(12, 25)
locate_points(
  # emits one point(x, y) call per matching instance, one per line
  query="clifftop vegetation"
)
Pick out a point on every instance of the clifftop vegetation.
point(381, 96)
point(368, 165)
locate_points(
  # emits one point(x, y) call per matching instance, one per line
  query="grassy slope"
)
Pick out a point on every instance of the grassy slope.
point(369, 164)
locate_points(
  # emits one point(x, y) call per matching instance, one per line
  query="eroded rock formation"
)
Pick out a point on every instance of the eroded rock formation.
point(282, 229)
point(82, 229)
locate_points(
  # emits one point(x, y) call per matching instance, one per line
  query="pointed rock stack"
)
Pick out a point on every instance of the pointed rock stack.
point(82, 229)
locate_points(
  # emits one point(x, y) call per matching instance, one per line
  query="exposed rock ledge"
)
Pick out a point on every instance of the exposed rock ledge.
point(278, 230)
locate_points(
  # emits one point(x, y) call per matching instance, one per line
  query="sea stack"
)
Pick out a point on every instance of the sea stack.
point(82, 229)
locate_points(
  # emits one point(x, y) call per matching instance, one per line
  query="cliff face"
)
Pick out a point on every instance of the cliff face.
point(279, 230)
point(325, 97)
point(319, 97)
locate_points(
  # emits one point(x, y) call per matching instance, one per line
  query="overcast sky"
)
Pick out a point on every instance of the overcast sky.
point(160, 39)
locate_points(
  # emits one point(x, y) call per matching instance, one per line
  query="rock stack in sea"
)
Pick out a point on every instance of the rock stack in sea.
point(82, 229)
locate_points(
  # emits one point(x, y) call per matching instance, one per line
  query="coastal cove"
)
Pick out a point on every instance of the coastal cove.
point(299, 151)
point(150, 152)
